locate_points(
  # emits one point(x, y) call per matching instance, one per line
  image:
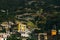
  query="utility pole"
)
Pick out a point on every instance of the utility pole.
point(7, 13)
point(7, 20)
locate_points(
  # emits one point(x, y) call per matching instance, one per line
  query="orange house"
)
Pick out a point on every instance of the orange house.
point(53, 32)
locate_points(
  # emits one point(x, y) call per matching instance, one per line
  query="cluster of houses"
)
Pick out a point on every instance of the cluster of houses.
point(11, 27)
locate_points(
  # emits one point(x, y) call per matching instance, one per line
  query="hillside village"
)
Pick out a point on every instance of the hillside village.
point(29, 19)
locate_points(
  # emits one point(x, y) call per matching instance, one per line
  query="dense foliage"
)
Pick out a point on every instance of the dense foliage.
point(46, 11)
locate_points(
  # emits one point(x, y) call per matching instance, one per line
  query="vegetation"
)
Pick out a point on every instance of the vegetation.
point(46, 12)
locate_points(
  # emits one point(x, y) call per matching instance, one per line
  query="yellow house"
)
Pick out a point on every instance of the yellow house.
point(21, 26)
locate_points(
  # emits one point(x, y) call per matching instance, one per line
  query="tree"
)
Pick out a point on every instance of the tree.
point(31, 24)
